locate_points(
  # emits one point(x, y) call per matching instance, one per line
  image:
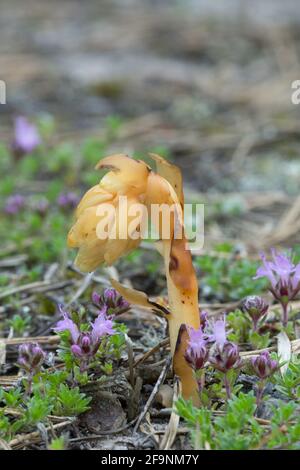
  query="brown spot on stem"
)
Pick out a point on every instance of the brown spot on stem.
point(108, 167)
point(174, 263)
point(181, 330)
point(182, 274)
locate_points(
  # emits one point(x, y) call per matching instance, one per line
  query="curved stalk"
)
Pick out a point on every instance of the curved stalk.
point(135, 180)
point(184, 310)
point(182, 286)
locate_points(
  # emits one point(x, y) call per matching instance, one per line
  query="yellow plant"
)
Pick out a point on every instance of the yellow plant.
point(141, 185)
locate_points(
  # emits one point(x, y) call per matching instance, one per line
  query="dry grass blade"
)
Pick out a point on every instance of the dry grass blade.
point(34, 339)
point(295, 349)
point(34, 437)
point(13, 261)
point(171, 431)
point(41, 286)
point(2, 352)
point(4, 445)
point(51, 271)
point(24, 288)
point(284, 351)
point(288, 225)
point(152, 351)
point(93, 437)
point(8, 380)
point(129, 346)
point(160, 380)
point(83, 286)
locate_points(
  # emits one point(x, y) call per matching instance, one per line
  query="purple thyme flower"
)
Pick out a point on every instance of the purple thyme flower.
point(284, 277)
point(224, 355)
point(84, 345)
point(14, 204)
point(67, 200)
point(26, 137)
point(264, 366)
point(31, 357)
point(41, 206)
point(218, 334)
point(204, 318)
point(111, 301)
point(196, 353)
point(67, 325)
point(102, 326)
point(256, 308)
point(88, 343)
point(225, 358)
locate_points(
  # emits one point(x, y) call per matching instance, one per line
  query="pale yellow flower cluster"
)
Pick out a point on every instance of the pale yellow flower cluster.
point(141, 186)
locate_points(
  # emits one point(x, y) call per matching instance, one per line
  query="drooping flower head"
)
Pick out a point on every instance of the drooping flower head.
point(264, 366)
point(111, 300)
point(26, 137)
point(256, 308)
point(31, 357)
point(196, 353)
point(111, 216)
point(14, 204)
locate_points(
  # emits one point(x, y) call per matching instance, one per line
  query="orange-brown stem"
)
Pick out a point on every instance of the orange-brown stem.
point(183, 302)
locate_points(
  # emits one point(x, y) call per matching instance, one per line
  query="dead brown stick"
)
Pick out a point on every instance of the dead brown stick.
point(295, 345)
point(287, 226)
point(82, 288)
point(8, 381)
point(92, 437)
point(13, 261)
point(172, 428)
point(25, 439)
point(41, 286)
point(33, 339)
point(152, 351)
point(160, 380)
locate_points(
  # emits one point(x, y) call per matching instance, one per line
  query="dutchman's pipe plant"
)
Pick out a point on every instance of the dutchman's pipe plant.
point(141, 185)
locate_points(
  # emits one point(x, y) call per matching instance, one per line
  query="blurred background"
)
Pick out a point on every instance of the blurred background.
point(207, 84)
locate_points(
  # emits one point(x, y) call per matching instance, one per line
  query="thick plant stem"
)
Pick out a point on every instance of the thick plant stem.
point(260, 392)
point(183, 303)
point(285, 316)
point(227, 387)
point(29, 384)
